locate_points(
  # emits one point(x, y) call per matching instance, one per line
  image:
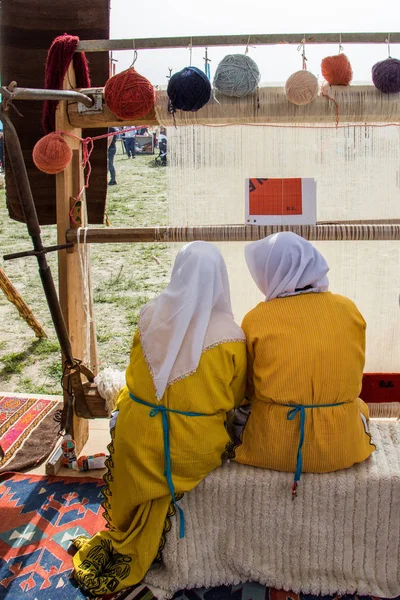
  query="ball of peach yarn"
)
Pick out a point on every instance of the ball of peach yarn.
point(301, 88)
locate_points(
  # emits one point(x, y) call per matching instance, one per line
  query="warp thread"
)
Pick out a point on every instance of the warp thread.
point(59, 57)
point(237, 75)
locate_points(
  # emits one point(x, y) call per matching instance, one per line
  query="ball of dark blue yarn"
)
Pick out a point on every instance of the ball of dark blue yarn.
point(189, 90)
point(386, 76)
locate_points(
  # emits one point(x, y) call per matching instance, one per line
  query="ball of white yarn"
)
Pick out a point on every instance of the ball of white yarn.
point(236, 75)
point(301, 88)
point(109, 383)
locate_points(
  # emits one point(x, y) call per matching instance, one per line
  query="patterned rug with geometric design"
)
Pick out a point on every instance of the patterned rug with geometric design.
point(38, 518)
point(28, 431)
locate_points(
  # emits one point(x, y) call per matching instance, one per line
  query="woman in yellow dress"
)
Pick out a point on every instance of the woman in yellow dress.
point(306, 351)
point(187, 370)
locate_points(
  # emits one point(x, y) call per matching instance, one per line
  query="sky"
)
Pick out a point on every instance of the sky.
point(167, 18)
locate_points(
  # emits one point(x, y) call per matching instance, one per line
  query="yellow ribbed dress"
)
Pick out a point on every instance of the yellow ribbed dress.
point(305, 349)
point(137, 498)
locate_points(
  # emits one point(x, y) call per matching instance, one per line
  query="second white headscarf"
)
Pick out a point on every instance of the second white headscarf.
point(285, 264)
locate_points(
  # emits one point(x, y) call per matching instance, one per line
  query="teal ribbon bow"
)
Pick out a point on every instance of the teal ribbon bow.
point(301, 409)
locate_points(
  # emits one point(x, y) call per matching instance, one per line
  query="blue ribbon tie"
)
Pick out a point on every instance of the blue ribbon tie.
point(294, 410)
point(155, 410)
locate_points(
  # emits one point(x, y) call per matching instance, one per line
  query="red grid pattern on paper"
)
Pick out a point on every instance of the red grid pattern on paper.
point(275, 197)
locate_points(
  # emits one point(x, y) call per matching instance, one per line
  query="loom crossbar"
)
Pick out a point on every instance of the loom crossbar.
point(255, 39)
point(233, 233)
point(356, 104)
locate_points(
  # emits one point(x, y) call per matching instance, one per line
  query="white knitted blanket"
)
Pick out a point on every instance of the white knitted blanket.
point(340, 535)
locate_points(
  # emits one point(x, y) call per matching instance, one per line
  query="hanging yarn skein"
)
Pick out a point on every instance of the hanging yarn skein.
point(52, 154)
point(129, 95)
point(301, 88)
point(386, 76)
point(237, 75)
point(336, 70)
point(188, 90)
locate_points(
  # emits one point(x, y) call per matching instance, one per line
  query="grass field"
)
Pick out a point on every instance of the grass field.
point(125, 276)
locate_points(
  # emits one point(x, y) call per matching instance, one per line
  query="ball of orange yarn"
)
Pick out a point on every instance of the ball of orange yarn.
point(129, 95)
point(337, 69)
point(52, 154)
point(301, 88)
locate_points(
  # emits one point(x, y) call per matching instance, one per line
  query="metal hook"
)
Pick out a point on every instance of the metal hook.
point(302, 47)
point(207, 63)
point(135, 54)
point(170, 73)
point(248, 46)
point(388, 43)
point(190, 52)
point(340, 43)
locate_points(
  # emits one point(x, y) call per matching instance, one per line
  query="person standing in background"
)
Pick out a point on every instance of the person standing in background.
point(112, 149)
point(129, 138)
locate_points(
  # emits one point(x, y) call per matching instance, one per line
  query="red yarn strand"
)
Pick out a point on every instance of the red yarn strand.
point(323, 92)
point(87, 149)
point(59, 57)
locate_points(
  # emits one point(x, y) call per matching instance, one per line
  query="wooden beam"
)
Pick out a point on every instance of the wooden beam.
point(255, 39)
point(105, 118)
point(71, 290)
point(12, 294)
point(351, 104)
point(236, 233)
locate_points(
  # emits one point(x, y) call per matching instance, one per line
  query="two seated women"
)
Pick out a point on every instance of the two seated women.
point(295, 367)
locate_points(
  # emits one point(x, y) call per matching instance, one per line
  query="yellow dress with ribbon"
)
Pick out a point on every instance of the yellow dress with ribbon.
point(189, 433)
point(306, 357)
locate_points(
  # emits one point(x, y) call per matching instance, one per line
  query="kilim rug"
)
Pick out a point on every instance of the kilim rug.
point(28, 431)
point(38, 518)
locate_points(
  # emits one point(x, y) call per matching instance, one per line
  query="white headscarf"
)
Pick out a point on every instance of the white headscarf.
point(192, 313)
point(284, 264)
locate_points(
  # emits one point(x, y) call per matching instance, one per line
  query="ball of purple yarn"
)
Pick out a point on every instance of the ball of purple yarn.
point(189, 90)
point(386, 76)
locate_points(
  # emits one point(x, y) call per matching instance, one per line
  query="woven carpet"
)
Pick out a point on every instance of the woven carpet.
point(28, 431)
point(38, 518)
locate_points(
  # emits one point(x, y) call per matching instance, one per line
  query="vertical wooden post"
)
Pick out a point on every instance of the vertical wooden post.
point(72, 294)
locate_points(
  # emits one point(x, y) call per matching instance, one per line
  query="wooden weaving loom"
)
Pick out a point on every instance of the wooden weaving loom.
point(86, 109)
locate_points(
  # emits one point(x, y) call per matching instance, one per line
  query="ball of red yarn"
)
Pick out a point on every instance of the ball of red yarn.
point(52, 154)
point(337, 69)
point(129, 95)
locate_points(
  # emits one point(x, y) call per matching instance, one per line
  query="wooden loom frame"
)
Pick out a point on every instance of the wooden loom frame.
point(69, 182)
